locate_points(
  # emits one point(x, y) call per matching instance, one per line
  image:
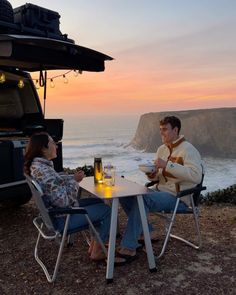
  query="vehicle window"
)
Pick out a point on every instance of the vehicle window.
point(10, 104)
point(16, 102)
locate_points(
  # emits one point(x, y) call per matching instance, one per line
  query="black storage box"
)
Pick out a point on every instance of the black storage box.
point(38, 18)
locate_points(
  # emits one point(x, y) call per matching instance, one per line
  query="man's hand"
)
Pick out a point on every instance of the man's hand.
point(160, 163)
point(79, 175)
point(151, 175)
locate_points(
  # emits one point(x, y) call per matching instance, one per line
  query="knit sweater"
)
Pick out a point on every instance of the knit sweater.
point(183, 169)
point(60, 190)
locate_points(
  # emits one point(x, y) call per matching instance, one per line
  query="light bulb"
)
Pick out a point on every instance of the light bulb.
point(2, 78)
point(21, 84)
point(65, 79)
point(52, 85)
point(76, 73)
point(37, 84)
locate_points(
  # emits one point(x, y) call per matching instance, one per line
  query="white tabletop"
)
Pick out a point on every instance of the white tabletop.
point(122, 188)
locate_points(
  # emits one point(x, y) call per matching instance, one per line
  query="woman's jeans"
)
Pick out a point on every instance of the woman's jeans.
point(153, 202)
point(97, 211)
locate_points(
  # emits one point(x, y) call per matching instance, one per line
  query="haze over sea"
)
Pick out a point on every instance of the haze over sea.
point(109, 137)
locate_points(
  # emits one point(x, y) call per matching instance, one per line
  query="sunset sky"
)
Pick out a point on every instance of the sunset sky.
point(168, 55)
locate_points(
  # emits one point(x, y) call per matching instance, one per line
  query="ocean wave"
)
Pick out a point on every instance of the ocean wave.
point(93, 145)
point(80, 148)
point(220, 173)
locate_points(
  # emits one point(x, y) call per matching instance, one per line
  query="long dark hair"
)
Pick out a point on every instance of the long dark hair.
point(37, 143)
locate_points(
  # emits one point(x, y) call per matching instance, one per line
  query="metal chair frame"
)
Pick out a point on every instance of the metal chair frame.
point(46, 229)
point(194, 195)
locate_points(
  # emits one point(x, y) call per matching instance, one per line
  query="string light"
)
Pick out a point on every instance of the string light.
point(21, 84)
point(76, 73)
point(37, 84)
point(52, 85)
point(65, 79)
point(2, 78)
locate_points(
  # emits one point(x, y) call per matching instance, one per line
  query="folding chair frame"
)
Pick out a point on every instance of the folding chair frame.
point(195, 191)
point(50, 233)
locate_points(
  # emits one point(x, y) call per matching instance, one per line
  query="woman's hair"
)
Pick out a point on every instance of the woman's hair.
point(37, 143)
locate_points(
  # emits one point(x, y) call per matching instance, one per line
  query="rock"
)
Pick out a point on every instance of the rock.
point(211, 131)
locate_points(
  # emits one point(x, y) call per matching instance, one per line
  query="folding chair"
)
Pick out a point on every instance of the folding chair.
point(47, 230)
point(194, 196)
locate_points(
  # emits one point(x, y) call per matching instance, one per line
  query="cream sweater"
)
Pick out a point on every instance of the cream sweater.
point(183, 169)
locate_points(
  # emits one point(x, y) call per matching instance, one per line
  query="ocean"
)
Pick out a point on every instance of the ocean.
point(109, 137)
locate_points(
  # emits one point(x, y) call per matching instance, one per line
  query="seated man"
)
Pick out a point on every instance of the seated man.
point(178, 167)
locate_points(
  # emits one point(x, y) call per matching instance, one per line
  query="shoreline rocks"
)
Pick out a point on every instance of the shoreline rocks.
point(211, 131)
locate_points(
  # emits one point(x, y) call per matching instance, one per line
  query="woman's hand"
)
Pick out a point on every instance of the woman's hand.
point(79, 175)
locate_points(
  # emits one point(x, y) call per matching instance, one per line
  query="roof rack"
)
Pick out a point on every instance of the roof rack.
point(30, 19)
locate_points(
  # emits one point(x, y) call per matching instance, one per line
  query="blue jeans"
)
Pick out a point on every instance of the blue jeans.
point(97, 211)
point(153, 202)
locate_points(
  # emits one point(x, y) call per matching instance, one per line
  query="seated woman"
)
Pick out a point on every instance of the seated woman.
point(62, 190)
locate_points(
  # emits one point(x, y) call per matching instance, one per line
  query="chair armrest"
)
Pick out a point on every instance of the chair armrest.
point(189, 191)
point(148, 184)
point(69, 210)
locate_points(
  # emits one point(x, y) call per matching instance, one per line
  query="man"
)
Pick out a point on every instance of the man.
point(178, 167)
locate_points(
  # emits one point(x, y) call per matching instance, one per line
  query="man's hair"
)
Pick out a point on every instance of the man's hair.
point(173, 121)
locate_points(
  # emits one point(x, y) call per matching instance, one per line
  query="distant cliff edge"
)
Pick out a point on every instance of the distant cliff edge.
point(211, 131)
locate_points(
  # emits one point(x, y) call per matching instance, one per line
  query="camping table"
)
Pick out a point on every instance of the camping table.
point(121, 189)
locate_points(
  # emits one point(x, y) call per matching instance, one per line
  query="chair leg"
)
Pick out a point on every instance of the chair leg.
point(85, 236)
point(48, 276)
point(195, 246)
point(199, 237)
point(168, 234)
point(196, 223)
point(70, 240)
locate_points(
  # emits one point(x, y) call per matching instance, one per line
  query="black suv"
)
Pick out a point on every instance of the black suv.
point(30, 40)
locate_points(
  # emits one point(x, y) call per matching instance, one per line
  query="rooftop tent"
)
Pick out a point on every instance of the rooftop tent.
point(31, 40)
point(32, 53)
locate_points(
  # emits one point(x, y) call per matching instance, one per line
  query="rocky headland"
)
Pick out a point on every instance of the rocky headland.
point(211, 131)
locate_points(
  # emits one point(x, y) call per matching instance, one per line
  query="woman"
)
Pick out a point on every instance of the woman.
point(62, 190)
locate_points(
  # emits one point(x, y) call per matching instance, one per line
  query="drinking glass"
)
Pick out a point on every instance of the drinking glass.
point(109, 175)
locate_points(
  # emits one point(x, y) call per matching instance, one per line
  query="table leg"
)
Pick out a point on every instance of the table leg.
point(147, 239)
point(112, 241)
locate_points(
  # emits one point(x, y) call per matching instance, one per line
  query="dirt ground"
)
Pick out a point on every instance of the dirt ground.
point(182, 270)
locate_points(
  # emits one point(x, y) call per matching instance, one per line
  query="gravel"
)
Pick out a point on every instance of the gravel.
point(182, 270)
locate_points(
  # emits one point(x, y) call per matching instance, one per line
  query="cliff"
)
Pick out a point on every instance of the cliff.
point(211, 131)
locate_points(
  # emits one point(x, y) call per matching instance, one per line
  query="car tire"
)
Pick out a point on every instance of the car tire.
point(16, 196)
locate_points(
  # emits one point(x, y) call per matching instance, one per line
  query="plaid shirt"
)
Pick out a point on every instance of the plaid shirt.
point(61, 190)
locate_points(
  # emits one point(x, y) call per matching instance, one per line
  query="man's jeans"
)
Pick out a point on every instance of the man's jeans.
point(153, 202)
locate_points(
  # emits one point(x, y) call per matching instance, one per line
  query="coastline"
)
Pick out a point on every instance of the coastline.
point(109, 137)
